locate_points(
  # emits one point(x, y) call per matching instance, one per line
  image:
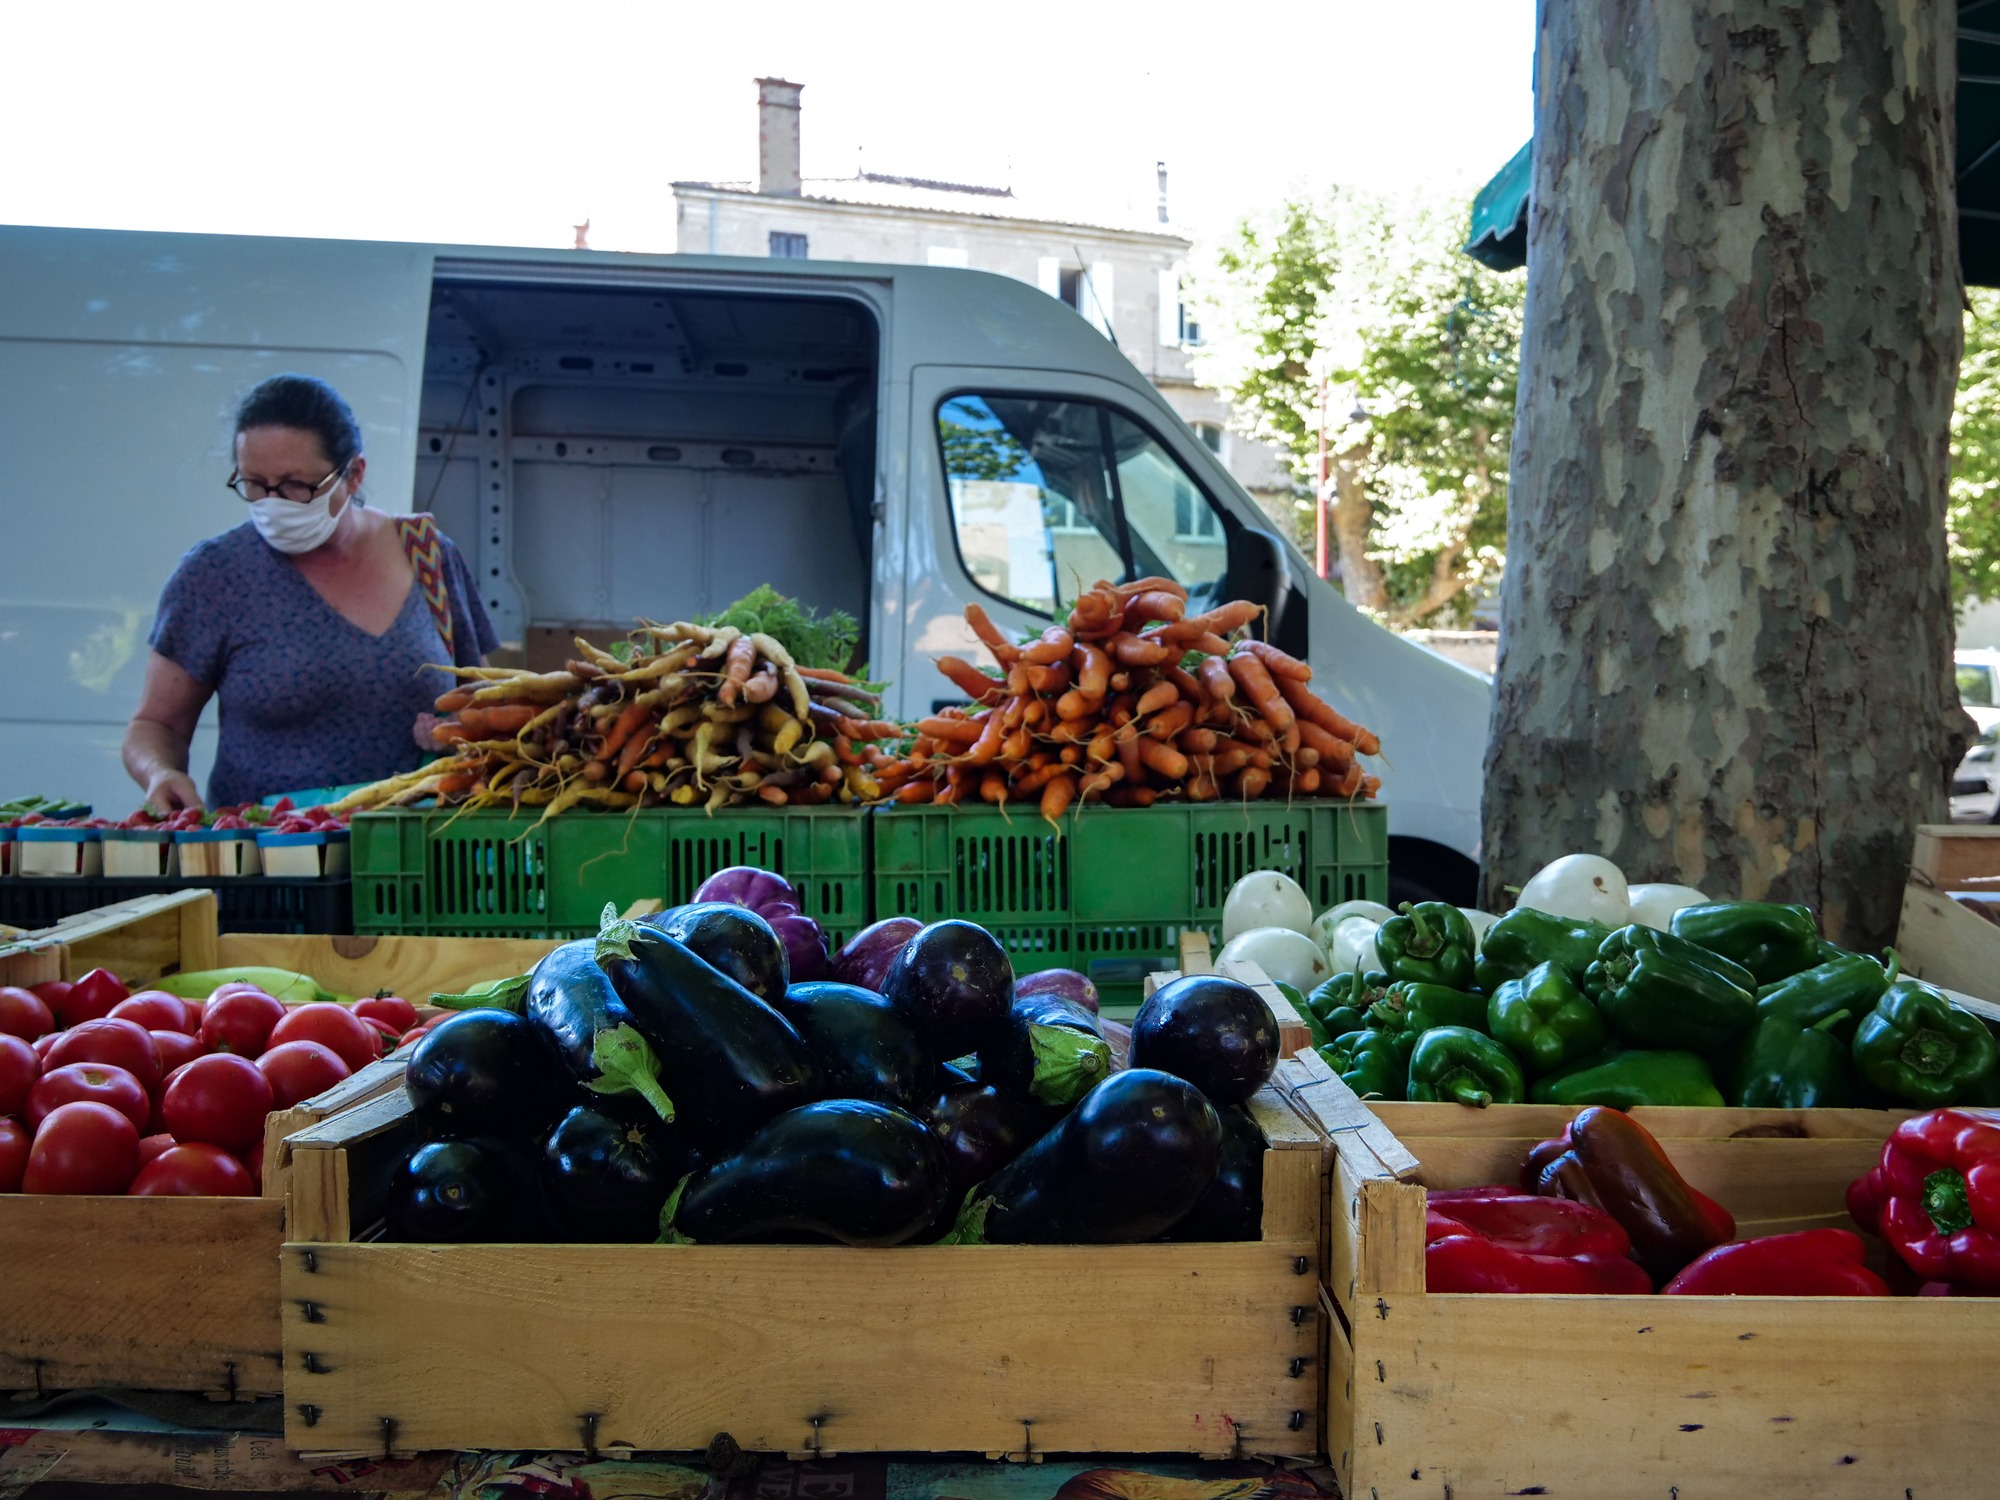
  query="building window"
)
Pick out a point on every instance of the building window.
point(1070, 287)
point(787, 246)
point(1210, 435)
point(1190, 329)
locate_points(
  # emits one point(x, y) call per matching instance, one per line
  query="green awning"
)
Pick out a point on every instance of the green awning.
point(1500, 213)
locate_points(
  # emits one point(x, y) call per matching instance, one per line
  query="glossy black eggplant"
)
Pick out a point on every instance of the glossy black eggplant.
point(488, 1072)
point(1050, 1048)
point(608, 1177)
point(1233, 1206)
point(954, 982)
point(728, 1061)
point(571, 998)
point(733, 939)
point(844, 1169)
point(1128, 1163)
point(863, 1047)
point(471, 1191)
point(982, 1128)
point(1217, 1034)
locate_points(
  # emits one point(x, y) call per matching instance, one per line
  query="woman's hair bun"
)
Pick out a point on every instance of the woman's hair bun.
point(309, 404)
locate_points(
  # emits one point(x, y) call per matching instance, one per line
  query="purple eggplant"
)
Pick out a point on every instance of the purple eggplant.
point(1233, 1206)
point(608, 1177)
point(1064, 982)
point(1217, 1034)
point(983, 1128)
point(732, 938)
point(864, 959)
point(954, 983)
point(1050, 1048)
point(1128, 1163)
point(862, 1045)
point(778, 902)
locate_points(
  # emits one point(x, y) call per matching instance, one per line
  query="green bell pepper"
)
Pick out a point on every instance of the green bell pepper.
point(1375, 1064)
point(1787, 1065)
point(1651, 1000)
point(1626, 1080)
point(1457, 1065)
point(1851, 983)
point(1416, 1008)
point(1614, 957)
point(1773, 942)
point(1340, 1004)
point(1545, 1020)
point(1430, 943)
point(1918, 1046)
point(1525, 939)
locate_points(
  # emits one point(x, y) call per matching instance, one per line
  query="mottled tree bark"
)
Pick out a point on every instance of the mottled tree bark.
point(1726, 642)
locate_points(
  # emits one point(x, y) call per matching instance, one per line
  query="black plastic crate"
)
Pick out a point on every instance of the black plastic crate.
point(252, 903)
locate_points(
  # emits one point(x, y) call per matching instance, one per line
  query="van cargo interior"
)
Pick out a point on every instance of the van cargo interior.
point(605, 453)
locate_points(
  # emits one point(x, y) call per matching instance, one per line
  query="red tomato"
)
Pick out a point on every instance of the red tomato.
point(394, 1010)
point(331, 1025)
point(218, 1100)
point(52, 994)
point(239, 1019)
point(19, 1068)
point(83, 1148)
point(91, 998)
point(175, 1048)
point(156, 1010)
point(14, 1141)
point(193, 1172)
point(43, 1043)
point(123, 1044)
point(151, 1146)
point(234, 987)
point(253, 1163)
point(414, 1035)
point(298, 1070)
point(91, 1082)
point(24, 1014)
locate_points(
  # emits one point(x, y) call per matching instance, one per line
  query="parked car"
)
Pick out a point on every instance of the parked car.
point(1975, 786)
point(1979, 685)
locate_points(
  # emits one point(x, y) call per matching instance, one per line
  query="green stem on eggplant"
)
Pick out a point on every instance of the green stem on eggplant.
point(668, 1234)
point(495, 994)
point(626, 1065)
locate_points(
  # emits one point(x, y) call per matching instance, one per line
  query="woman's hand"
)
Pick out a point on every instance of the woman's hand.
point(422, 734)
point(168, 791)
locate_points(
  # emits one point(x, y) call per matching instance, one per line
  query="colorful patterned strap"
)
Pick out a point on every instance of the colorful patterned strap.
point(423, 544)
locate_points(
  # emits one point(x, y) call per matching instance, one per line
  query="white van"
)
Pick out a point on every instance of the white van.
point(609, 435)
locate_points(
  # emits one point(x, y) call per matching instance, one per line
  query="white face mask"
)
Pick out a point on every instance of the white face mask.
point(292, 528)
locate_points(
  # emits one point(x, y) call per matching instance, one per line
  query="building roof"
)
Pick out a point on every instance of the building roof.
point(880, 190)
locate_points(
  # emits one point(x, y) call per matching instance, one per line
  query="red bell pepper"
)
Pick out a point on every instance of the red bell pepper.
point(1940, 1196)
point(1498, 1240)
point(1812, 1263)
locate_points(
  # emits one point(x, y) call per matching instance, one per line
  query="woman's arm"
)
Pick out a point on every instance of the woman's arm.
point(156, 741)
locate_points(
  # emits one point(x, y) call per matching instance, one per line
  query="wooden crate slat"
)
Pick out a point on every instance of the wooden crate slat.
point(1944, 944)
point(1415, 1122)
point(1320, 1095)
point(413, 967)
point(1949, 855)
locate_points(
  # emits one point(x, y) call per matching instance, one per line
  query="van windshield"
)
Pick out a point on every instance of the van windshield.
point(1975, 687)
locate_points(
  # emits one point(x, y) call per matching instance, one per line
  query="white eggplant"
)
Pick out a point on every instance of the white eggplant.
point(1265, 898)
point(1581, 887)
point(1288, 957)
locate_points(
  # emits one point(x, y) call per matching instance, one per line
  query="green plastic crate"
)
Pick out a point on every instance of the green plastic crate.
point(495, 873)
point(1111, 891)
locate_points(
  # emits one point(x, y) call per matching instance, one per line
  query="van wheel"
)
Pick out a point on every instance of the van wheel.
point(1422, 871)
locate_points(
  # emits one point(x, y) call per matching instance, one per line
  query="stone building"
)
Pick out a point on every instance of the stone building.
point(1125, 278)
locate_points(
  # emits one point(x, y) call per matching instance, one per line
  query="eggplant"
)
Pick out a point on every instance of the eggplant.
point(1065, 982)
point(728, 1061)
point(607, 1177)
point(983, 1128)
point(1050, 1049)
point(733, 939)
point(846, 1170)
point(488, 1072)
point(863, 1047)
point(953, 981)
point(1131, 1161)
point(778, 902)
point(1217, 1034)
point(1233, 1206)
point(572, 999)
point(864, 959)
point(480, 1190)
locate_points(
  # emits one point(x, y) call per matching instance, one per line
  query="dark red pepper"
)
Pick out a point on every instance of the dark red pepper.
point(1940, 1196)
point(1811, 1263)
point(1609, 1161)
point(1499, 1240)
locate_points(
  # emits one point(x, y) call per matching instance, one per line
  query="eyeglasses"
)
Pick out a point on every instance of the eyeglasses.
point(295, 490)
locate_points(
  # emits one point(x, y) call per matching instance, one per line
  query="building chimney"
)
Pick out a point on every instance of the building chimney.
point(1161, 168)
point(778, 137)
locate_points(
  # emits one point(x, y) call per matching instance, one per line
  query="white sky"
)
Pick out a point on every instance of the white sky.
point(506, 123)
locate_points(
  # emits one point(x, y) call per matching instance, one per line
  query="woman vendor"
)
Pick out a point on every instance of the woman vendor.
point(312, 622)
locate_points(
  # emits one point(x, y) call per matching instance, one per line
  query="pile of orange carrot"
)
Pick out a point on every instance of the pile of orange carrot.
point(681, 715)
point(1132, 701)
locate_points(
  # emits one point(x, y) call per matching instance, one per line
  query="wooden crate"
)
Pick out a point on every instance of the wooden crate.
point(182, 1293)
point(1941, 939)
point(1619, 1398)
point(1213, 1349)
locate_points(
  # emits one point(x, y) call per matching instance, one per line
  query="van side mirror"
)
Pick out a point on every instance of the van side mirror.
point(1259, 572)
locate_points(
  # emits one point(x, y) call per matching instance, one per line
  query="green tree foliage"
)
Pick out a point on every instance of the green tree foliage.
point(1974, 518)
point(1362, 308)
